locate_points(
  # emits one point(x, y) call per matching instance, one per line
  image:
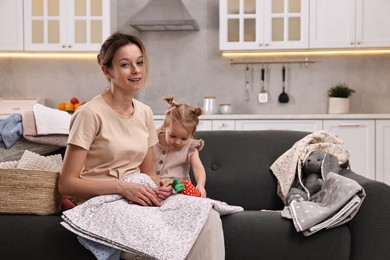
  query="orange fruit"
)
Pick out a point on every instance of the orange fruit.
point(69, 106)
point(61, 106)
point(76, 105)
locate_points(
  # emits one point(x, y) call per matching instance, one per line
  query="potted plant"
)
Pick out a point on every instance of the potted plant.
point(339, 98)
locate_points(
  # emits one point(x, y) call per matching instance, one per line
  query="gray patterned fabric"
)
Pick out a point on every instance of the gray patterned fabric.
point(289, 165)
point(166, 232)
point(340, 199)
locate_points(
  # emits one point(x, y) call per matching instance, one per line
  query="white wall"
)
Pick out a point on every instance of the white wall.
point(189, 66)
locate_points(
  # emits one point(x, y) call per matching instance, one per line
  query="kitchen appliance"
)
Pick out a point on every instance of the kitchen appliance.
point(164, 15)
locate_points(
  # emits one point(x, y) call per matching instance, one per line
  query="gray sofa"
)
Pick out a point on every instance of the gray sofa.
point(237, 165)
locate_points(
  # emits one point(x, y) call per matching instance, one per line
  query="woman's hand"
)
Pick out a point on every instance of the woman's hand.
point(140, 194)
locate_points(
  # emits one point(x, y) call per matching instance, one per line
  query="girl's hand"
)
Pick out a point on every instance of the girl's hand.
point(140, 194)
point(164, 191)
point(202, 191)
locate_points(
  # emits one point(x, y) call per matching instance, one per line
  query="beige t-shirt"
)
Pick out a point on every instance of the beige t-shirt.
point(116, 144)
point(171, 163)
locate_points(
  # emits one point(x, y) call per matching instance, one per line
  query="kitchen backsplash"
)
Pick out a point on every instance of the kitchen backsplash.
point(189, 66)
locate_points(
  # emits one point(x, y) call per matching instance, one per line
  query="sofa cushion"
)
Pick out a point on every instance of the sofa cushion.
point(251, 234)
point(240, 175)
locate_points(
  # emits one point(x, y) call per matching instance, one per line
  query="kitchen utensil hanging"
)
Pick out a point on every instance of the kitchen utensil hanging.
point(263, 95)
point(247, 83)
point(283, 97)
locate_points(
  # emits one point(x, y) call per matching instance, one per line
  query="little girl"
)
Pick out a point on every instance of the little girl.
point(177, 150)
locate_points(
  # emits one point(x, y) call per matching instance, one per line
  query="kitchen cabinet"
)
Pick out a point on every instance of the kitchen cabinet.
point(383, 151)
point(263, 24)
point(158, 123)
point(203, 124)
point(349, 24)
point(11, 25)
point(63, 25)
point(297, 125)
point(9, 105)
point(223, 125)
point(359, 140)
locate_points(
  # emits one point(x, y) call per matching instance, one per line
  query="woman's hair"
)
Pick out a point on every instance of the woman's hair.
point(116, 41)
point(186, 115)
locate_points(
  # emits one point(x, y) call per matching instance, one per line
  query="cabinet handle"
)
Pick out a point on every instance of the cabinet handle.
point(69, 46)
point(349, 125)
point(267, 44)
point(351, 43)
point(223, 125)
point(358, 43)
point(260, 44)
point(63, 46)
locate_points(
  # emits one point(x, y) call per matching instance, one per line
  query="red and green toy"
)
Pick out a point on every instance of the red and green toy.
point(185, 187)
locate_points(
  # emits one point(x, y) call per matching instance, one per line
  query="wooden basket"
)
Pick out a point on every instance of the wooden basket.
point(29, 192)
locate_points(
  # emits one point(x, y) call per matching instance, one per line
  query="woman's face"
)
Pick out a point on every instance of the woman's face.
point(127, 70)
point(176, 135)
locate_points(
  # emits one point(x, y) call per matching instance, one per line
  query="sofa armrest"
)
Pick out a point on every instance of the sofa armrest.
point(370, 227)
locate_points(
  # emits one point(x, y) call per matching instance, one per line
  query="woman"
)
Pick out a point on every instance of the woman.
point(112, 136)
point(97, 157)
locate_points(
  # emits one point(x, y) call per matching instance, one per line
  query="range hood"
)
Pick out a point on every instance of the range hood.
point(164, 15)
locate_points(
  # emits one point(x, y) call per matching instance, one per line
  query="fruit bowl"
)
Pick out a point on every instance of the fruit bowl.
point(69, 106)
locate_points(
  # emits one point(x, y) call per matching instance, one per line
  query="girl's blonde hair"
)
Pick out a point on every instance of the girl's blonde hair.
point(186, 115)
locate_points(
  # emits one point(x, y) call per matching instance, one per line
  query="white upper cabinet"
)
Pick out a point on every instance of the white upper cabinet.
point(263, 24)
point(11, 25)
point(67, 25)
point(349, 23)
point(286, 24)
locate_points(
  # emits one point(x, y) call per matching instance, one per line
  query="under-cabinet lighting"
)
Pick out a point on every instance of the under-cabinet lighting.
point(248, 54)
point(48, 55)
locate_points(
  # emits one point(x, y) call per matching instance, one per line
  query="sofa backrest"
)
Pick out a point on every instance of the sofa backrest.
point(238, 164)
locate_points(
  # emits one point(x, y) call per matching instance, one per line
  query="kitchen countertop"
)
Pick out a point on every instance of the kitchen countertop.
point(287, 116)
point(281, 116)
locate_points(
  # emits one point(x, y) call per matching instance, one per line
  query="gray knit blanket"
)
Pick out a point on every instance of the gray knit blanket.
point(166, 232)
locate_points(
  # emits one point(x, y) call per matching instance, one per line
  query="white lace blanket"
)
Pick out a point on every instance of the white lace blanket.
point(166, 232)
point(289, 165)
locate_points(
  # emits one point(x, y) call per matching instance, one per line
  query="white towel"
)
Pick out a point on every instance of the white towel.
point(51, 121)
